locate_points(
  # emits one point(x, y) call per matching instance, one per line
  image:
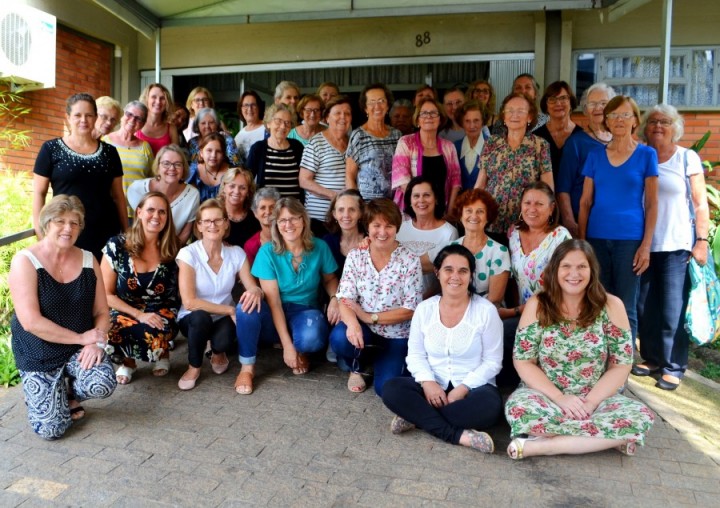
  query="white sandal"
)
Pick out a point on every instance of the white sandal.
point(126, 372)
point(161, 367)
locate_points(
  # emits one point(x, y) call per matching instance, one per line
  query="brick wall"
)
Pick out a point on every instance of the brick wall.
point(83, 65)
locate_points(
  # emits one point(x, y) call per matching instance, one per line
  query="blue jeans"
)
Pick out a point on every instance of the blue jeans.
point(661, 311)
point(307, 326)
point(616, 273)
point(389, 354)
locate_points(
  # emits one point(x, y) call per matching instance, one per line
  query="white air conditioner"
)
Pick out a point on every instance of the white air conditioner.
point(27, 46)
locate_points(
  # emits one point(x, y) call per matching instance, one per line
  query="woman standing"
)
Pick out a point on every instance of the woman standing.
point(511, 162)
point(380, 288)
point(322, 170)
point(665, 285)
point(109, 112)
point(60, 323)
point(426, 154)
point(198, 98)
point(310, 109)
point(573, 352)
point(159, 130)
point(372, 145)
point(483, 92)
point(208, 270)
point(212, 164)
point(454, 354)
point(208, 122)
point(140, 277)
point(618, 207)
point(250, 110)
point(79, 165)
point(469, 148)
point(569, 182)
point(236, 193)
point(345, 231)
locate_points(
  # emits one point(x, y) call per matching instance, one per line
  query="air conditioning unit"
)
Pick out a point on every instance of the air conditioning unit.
point(27, 47)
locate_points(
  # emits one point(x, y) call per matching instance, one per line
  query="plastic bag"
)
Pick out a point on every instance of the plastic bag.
point(702, 317)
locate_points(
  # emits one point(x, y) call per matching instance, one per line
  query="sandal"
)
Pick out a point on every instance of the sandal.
point(77, 413)
point(125, 372)
point(398, 425)
point(517, 445)
point(627, 448)
point(356, 383)
point(481, 441)
point(303, 365)
point(244, 383)
point(161, 367)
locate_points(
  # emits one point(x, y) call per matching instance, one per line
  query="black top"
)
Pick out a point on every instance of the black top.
point(241, 231)
point(434, 169)
point(277, 168)
point(555, 151)
point(333, 241)
point(69, 305)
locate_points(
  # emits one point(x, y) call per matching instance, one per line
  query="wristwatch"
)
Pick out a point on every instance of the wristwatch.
point(375, 318)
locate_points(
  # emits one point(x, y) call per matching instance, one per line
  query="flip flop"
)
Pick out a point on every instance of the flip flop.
point(244, 383)
point(126, 372)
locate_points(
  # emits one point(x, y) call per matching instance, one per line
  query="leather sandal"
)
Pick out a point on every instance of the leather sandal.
point(518, 444)
point(303, 365)
point(244, 383)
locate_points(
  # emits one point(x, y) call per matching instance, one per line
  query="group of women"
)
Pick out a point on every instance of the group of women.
point(370, 269)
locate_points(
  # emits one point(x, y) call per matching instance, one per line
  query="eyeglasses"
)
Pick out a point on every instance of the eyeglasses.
point(377, 102)
point(624, 116)
point(511, 112)
point(106, 118)
point(372, 349)
point(558, 99)
point(483, 90)
point(454, 103)
point(279, 122)
point(249, 106)
point(312, 111)
point(168, 164)
point(428, 114)
point(201, 100)
point(135, 118)
point(598, 104)
point(288, 220)
point(61, 223)
point(214, 222)
point(663, 122)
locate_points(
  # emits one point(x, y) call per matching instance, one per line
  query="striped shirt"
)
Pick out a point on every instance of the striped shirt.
point(328, 165)
point(281, 172)
point(137, 164)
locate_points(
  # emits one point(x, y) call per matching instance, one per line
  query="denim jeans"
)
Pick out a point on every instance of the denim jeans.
point(389, 354)
point(616, 273)
point(661, 312)
point(307, 326)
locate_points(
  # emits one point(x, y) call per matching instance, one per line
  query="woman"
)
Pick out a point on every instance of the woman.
point(558, 102)
point(483, 92)
point(424, 92)
point(208, 270)
point(426, 154)
point(401, 114)
point(207, 172)
point(198, 98)
point(511, 162)
point(170, 168)
point(109, 113)
point(470, 116)
point(380, 288)
point(60, 322)
point(665, 286)
point(569, 182)
point(287, 93)
point(368, 165)
point(477, 210)
point(345, 229)
point(136, 155)
point(291, 269)
point(454, 354)
point(140, 277)
point(328, 90)
point(100, 189)
point(424, 231)
point(322, 170)
point(310, 109)
point(453, 99)
point(275, 161)
point(159, 130)
point(236, 193)
point(208, 122)
point(263, 205)
point(573, 352)
point(618, 206)
point(250, 111)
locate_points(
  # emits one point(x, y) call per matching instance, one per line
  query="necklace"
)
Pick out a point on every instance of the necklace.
point(215, 175)
point(597, 136)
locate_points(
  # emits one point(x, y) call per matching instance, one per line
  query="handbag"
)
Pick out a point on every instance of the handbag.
point(702, 316)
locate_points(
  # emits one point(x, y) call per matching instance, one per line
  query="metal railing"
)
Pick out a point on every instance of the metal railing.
point(16, 237)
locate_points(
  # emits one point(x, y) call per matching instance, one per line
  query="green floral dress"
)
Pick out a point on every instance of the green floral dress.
point(149, 292)
point(574, 360)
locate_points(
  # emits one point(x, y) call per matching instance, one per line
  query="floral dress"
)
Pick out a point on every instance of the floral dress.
point(574, 360)
point(155, 292)
point(527, 269)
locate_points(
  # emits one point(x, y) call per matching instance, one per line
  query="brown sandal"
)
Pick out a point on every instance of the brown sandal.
point(244, 383)
point(303, 365)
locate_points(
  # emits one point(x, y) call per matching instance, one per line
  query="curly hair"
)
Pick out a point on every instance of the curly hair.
point(470, 196)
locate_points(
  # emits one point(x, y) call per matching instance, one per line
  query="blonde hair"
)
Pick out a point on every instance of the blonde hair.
point(191, 98)
point(169, 104)
point(296, 208)
point(175, 149)
point(167, 241)
point(109, 102)
point(207, 205)
point(229, 176)
point(60, 205)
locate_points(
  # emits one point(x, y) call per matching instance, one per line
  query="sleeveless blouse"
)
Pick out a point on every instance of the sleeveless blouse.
point(156, 143)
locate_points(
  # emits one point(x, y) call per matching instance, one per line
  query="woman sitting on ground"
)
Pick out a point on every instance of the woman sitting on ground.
point(263, 206)
point(380, 288)
point(208, 271)
point(454, 353)
point(140, 277)
point(573, 352)
point(60, 322)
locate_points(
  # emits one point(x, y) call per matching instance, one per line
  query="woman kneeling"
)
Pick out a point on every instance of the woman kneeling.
point(573, 352)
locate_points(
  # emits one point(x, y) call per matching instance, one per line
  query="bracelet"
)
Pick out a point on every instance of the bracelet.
point(701, 239)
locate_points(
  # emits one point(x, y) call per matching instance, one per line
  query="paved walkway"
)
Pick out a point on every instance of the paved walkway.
point(307, 441)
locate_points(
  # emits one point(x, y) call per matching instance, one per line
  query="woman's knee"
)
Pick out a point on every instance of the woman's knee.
point(309, 331)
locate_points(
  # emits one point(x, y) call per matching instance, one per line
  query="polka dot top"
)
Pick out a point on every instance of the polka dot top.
point(69, 305)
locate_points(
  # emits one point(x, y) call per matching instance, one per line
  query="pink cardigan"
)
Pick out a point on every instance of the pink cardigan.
point(407, 163)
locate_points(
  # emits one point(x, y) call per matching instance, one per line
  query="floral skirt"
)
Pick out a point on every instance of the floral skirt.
point(618, 417)
point(133, 339)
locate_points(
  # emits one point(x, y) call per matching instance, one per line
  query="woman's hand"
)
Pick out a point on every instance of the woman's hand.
point(700, 252)
point(92, 337)
point(457, 393)
point(573, 406)
point(364, 244)
point(333, 311)
point(250, 300)
point(290, 357)
point(641, 261)
point(355, 336)
point(434, 394)
point(355, 307)
point(151, 319)
point(90, 355)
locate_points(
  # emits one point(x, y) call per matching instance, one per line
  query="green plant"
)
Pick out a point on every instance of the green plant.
point(713, 197)
point(9, 375)
point(12, 108)
point(711, 371)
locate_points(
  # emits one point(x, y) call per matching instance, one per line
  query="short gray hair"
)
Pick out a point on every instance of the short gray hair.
point(284, 85)
point(60, 205)
point(264, 193)
point(597, 87)
point(137, 104)
point(202, 114)
point(678, 122)
point(272, 109)
point(402, 103)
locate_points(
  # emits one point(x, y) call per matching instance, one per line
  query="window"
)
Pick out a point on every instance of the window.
point(693, 74)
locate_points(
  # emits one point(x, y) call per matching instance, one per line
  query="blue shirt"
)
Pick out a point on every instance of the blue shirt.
point(570, 178)
point(299, 287)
